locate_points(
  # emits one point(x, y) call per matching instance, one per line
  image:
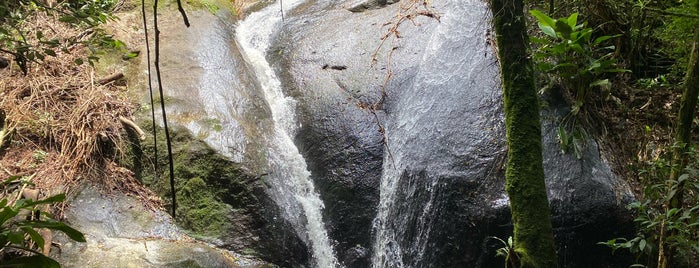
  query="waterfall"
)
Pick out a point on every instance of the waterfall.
point(291, 186)
point(435, 132)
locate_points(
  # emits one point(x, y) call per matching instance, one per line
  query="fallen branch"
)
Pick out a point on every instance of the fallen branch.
point(110, 78)
point(132, 125)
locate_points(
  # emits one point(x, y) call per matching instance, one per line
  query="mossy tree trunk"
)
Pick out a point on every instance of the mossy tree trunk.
point(525, 186)
point(683, 140)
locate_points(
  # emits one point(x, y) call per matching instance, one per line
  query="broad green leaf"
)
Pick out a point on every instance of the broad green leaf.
point(59, 226)
point(573, 20)
point(562, 138)
point(6, 214)
point(548, 30)
point(542, 18)
point(563, 29)
point(15, 237)
point(601, 39)
point(642, 244)
point(35, 236)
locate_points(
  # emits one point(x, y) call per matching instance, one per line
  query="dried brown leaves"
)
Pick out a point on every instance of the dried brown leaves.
point(65, 125)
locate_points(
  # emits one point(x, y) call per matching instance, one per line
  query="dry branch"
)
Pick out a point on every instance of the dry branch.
point(110, 78)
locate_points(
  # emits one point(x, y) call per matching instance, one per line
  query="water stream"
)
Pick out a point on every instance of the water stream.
point(291, 186)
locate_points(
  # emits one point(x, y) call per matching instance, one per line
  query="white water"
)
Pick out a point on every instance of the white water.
point(290, 179)
point(443, 87)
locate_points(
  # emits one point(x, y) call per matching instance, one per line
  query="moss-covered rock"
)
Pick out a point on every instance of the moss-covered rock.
point(218, 200)
point(200, 211)
point(209, 187)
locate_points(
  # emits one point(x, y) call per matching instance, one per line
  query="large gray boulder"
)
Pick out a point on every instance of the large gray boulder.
point(434, 193)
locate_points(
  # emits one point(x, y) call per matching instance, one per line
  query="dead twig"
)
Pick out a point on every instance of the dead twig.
point(110, 78)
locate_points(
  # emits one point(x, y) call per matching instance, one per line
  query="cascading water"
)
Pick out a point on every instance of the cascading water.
point(433, 139)
point(292, 187)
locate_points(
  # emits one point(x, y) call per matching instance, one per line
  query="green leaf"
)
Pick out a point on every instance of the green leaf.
point(59, 226)
point(564, 29)
point(15, 237)
point(38, 260)
point(68, 19)
point(548, 30)
point(573, 20)
point(50, 52)
point(642, 244)
point(35, 236)
point(49, 200)
point(6, 214)
point(78, 61)
point(601, 39)
point(563, 139)
point(542, 18)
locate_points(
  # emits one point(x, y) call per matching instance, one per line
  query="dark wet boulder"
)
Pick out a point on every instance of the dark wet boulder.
point(433, 196)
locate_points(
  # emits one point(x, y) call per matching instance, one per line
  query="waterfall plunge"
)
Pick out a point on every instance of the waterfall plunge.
point(290, 181)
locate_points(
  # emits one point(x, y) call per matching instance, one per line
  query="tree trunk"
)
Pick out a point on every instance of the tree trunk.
point(533, 236)
point(683, 140)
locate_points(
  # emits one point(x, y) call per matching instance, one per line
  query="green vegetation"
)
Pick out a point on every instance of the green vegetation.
point(21, 221)
point(681, 224)
point(569, 52)
point(26, 35)
point(654, 39)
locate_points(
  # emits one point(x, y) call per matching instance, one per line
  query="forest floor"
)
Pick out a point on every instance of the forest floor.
point(65, 124)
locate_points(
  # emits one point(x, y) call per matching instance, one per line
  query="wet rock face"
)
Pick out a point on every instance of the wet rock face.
point(218, 123)
point(445, 132)
point(121, 231)
point(323, 55)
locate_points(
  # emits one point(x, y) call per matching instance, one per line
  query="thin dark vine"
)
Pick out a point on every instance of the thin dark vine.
point(156, 168)
point(162, 98)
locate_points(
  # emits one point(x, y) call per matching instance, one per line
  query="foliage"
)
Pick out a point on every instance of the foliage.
point(20, 222)
point(569, 51)
point(676, 34)
point(26, 34)
point(680, 226)
point(507, 251)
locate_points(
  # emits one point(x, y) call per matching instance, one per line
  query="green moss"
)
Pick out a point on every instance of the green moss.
point(210, 188)
point(200, 211)
point(525, 186)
